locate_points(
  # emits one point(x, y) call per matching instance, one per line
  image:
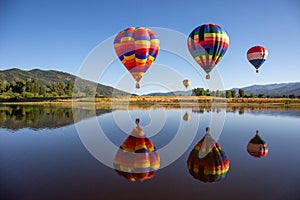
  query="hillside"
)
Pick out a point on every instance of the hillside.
point(275, 90)
point(175, 93)
point(49, 77)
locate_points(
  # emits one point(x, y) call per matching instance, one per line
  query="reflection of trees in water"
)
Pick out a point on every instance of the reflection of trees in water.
point(252, 110)
point(207, 109)
point(15, 117)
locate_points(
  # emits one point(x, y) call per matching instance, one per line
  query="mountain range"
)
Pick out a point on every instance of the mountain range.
point(274, 90)
point(48, 77)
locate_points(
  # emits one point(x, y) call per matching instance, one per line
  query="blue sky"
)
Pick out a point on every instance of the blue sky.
point(60, 35)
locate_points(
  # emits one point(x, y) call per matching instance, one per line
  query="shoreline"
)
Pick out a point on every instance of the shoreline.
point(129, 102)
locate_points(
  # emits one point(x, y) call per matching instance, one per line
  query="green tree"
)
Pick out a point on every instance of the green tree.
point(233, 93)
point(199, 92)
point(252, 95)
point(219, 93)
point(292, 96)
point(89, 91)
point(58, 88)
point(261, 96)
point(69, 88)
point(2, 86)
point(35, 86)
point(97, 95)
point(207, 92)
point(42, 91)
point(213, 93)
point(29, 85)
point(19, 87)
point(228, 94)
point(242, 93)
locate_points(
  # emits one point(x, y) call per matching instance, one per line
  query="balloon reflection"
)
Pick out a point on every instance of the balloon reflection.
point(186, 117)
point(257, 147)
point(137, 158)
point(207, 162)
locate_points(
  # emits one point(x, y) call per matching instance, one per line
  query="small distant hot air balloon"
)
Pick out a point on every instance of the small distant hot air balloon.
point(186, 117)
point(208, 162)
point(208, 44)
point(137, 158)
point(186, 83)
point(137, 49)
point(257, 147)
point(257, 55)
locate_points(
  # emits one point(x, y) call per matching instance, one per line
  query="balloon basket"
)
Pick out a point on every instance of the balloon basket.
point(207, 76)
point(257, 71)
point(137, 121)
point(137, 86)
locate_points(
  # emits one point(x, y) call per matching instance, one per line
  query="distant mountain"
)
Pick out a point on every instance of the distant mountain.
point(175, 93)
point(275, 90)
point(48, 77)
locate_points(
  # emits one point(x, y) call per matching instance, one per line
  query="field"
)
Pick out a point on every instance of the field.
point(131, 102)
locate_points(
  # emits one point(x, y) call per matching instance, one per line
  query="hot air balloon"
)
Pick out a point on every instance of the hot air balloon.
point(186, 83)
point(208, 44)
point(137, 158)
point(257, 55)
point(137, 49)
point(257, 147)
point(207, 162)
point(186, 117)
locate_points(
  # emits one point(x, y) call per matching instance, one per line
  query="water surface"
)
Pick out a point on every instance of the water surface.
point(43, 157)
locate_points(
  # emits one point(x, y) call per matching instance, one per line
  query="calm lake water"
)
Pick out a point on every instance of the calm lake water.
point(44, 155)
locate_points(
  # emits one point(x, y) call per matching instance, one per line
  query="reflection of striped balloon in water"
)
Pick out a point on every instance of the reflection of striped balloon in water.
point(213, 165)
point(137, 49)
point(186, 117)
point(257, 55)
point(208, 44)
point(137, 158)
point(257, 147)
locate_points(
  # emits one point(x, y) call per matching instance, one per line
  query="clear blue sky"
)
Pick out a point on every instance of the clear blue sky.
point(60, 34)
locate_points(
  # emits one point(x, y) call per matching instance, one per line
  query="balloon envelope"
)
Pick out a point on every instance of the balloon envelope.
point(257, 55)
point(137, 48)
point(137, 158)
point(186, 83)
point(208, 162)
point(208, 44)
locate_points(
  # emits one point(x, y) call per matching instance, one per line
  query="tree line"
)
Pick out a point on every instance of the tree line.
point(30, 88)
point(231, 94)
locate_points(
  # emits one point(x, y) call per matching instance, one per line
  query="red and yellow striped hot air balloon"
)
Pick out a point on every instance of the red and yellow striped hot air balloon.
point(137, 158)
point(208, 162)
point(137, 48)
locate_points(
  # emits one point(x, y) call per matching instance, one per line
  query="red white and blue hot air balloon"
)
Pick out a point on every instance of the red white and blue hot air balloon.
point(257, 55)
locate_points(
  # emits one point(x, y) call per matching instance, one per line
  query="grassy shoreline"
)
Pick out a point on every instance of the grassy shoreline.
point(130, 102)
